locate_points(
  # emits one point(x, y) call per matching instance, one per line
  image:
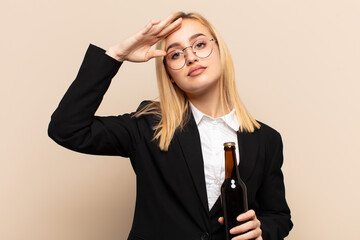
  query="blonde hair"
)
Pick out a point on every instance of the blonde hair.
point(173, 106)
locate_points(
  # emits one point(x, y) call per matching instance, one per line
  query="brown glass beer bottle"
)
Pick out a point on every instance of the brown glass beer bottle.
point(233, 191)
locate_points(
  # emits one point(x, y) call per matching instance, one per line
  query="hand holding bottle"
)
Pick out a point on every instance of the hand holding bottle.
point(136, 47)
point(250, 229)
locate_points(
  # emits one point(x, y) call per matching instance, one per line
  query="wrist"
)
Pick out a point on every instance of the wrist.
point(114, 54)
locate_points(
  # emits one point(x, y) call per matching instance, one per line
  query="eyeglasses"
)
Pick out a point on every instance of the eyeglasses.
point(176, 59)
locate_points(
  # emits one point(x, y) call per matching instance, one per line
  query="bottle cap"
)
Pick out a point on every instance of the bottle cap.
point(229, 144)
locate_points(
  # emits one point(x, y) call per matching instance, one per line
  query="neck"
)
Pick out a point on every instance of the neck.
point(209, 103)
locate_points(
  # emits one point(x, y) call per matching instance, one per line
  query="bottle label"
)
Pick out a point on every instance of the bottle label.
point(233, 183)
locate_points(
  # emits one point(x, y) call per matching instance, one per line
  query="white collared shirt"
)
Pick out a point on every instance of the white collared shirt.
point(214, 132)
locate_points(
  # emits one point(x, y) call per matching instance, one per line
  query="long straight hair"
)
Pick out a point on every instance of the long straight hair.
point(173, 106)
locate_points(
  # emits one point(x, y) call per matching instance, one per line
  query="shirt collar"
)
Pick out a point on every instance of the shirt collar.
point(230, 119)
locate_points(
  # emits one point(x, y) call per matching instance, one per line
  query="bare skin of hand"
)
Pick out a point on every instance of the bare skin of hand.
point(248, 230)
point(136, 47)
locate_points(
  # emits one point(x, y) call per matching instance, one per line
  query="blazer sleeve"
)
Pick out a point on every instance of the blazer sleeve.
point(73, 124)
point(274, 213)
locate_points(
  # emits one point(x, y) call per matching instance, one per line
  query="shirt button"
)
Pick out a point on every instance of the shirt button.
point(205, 236)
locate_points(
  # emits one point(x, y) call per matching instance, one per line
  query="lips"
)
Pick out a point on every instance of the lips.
point(196, 70)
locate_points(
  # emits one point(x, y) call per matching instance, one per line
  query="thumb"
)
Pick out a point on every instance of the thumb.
point(221, 220)
point(154, 54)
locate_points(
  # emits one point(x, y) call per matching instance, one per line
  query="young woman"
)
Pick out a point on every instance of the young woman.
point(176, 144)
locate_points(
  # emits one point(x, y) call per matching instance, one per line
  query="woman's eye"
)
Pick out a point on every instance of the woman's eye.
point(175, 55)
point(200, 45)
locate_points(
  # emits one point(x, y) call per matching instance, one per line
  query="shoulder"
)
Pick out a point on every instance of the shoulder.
point(146, 104)
point(148, 111)
point(268, 134)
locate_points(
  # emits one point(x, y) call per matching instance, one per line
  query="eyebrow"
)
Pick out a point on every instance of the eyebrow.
point(176, 44)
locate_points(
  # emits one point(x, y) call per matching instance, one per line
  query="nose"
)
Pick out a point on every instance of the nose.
point(190, 56)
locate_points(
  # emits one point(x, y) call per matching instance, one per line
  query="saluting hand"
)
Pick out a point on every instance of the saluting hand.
point(250, 229)
point(136, 47)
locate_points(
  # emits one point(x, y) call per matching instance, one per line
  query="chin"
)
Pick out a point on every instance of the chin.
point(198, 90)
point(198, 84)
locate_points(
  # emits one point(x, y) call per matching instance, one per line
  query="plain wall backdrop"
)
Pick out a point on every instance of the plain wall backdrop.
point(298, 70)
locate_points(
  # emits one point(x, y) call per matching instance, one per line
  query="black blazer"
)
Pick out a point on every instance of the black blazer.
point(171, 200)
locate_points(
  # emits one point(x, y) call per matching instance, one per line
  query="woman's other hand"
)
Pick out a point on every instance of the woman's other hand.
point(250, 229)
point(136, 47)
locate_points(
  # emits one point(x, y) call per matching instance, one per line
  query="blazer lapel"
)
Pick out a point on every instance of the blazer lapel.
point(190, 144)
point(248, 150)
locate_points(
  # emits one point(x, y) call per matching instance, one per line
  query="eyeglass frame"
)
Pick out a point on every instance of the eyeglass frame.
point(191, 46)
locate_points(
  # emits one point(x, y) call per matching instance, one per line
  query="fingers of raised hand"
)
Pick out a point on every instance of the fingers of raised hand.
point(149, 26)
point(171, 28)
point(166, 21)
point(161, 29)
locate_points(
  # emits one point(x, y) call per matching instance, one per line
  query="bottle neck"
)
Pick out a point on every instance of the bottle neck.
point(230, 162)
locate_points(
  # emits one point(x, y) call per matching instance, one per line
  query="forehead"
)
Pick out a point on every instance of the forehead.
point(189, 27)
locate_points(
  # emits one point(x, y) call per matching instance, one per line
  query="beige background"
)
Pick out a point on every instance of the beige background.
point(297, 65)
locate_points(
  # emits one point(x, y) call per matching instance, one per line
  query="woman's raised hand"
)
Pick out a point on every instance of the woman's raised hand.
point(136, 47)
